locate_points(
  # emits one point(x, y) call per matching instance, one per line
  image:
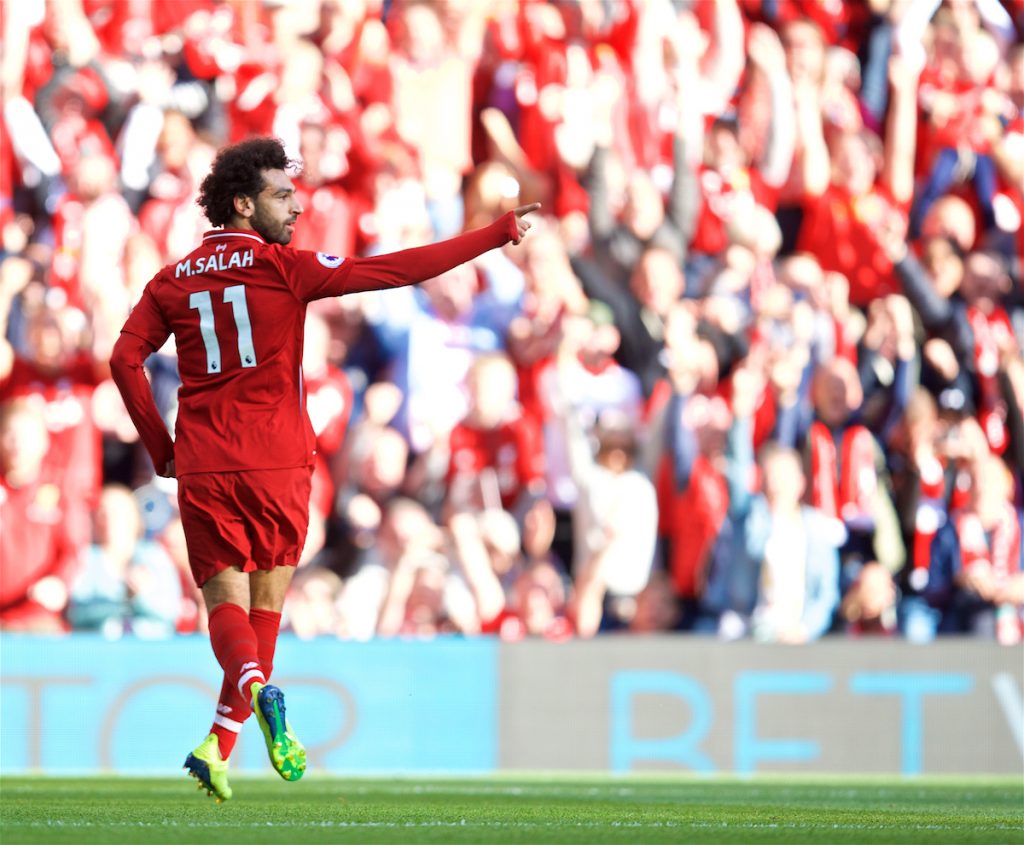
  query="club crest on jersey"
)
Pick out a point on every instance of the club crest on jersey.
point(329, 261)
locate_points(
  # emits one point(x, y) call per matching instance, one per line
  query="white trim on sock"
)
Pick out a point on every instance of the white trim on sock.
point(246, 679)
point(227, 724)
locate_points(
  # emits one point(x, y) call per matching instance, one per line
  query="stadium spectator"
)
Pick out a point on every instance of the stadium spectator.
point(495, 465)
point(692, 490)
point(331, 213)
point(311, 605)
point(432, 339)
point(785, 578)
point(975, 575)
point(730, 184)
point(956, 93)
point(584, 375)
point(496, 457)
point(39, 551)
point(846, 202)
point(615, 523)
point(329, 401)
point(192, 616)
point(407, 532)
point(657, 608)
point(125, 584)
point(112, 114)
point(430, 75)
point(60, 373)
point(621, 231)
point(962, 307)
point(375, 474)
point(869, 606)
point(847, 471)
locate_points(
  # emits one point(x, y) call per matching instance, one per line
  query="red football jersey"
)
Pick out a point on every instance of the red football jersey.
point(839, 229)
point(514, 451)
point(721, 198)
point(76, 449)
point(237, 306)
point(35, 538)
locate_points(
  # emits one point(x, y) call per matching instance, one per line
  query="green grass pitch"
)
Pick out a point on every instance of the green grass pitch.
point(529, 809)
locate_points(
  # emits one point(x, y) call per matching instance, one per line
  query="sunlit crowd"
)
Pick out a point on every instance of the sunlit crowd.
point(755, 373)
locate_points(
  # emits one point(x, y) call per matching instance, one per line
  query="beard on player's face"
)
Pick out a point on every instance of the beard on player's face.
point(268, 227)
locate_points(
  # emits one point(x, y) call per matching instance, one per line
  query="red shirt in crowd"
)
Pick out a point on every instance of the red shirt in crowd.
point(721, 197)
point(329, 405)
point(76, 449)
point(514, 451)
point(840, 230)
point(35, 541)
point(237, 306)
point(964, 126)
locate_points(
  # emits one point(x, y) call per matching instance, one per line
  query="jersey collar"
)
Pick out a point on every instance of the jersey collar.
point(215, 235)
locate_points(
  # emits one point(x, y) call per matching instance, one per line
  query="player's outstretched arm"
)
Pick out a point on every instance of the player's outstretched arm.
point(412, 266)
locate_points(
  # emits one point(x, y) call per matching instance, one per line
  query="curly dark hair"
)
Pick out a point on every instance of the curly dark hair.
point(237, 172)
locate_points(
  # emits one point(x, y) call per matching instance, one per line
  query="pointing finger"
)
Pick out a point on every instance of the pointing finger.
point(526, 209)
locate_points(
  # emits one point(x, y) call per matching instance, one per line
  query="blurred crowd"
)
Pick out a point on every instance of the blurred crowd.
point(755, 373)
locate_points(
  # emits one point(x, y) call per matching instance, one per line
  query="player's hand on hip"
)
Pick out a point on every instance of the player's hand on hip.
point(168, 470)
point(522, 224)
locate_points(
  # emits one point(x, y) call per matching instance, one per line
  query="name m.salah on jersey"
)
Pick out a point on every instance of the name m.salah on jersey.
point(209, 263)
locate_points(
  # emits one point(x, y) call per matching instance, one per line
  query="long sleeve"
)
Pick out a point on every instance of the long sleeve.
point(905, 380)
point(740, 453)
point(638, 349)
point(939, 316)
point(683, 199)
point(412, 266)
point(787, 425)
point(315, 275)
point(793, 421)
point(935, 311)
point(782, 135)
point(126, 368)
point(682, 442)
point(1014, 422)
point(822, 581)
point(602, 221)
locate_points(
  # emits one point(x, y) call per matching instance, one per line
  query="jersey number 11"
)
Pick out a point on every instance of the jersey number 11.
point(202, 302)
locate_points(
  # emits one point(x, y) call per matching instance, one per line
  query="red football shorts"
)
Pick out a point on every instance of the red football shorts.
point(249, 520)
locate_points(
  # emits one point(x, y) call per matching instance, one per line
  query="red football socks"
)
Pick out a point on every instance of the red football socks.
point(232, 708)
point(237, 650)
point(265, 624)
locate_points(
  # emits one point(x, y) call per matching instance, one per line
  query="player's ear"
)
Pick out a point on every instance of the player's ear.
point(244, 205)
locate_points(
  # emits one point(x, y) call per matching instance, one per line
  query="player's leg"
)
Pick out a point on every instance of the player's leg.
point(229, 591)
point(277, 538)
point(218, 552)
point(233, 709)
point(267, 592)
point(234, 644)
point(258, 518)
point(232, 637)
